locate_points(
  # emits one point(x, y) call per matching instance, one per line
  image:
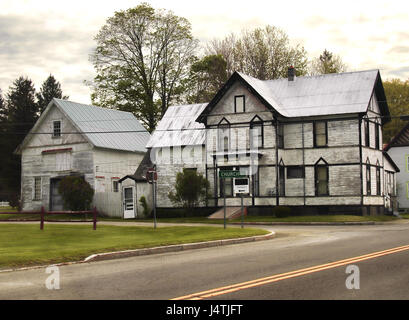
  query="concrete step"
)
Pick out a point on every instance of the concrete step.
point(231, 213)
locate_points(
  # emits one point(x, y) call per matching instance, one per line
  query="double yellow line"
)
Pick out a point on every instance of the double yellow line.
point(278, 277)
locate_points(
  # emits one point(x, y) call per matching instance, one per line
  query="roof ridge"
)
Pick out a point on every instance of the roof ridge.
point(94, 106)
point(309, 76)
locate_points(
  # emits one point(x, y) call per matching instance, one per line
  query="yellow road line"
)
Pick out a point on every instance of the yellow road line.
point(287, 275)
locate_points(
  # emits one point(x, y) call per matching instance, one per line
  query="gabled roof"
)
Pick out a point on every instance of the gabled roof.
point(178, 127)
point(390, 160)
point(329, 94)
point(140, 173)
point(401, 139)
point(102, 127)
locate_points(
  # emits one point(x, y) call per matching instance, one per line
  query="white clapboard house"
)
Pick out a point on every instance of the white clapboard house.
point(311, 143)
point(398, 150)
point(101, 145)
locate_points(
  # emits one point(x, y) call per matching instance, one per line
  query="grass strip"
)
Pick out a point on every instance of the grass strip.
point(26, 244)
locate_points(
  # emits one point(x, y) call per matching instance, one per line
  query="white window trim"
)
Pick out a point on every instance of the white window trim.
point(52, 129)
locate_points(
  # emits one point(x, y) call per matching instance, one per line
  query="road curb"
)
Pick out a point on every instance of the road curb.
point(175, 248)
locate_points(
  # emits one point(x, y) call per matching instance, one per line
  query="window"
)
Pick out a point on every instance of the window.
point(115, 186)
point(295, 172)
point(256, 177)
point(320, 134)
point(368, 179)
point(224, 137)
point(256, 135)
point(378, 181)
point(281, 181)
point(367, 133)
point(56, 129)
point(377, 142)
point(37, 188)
point(239, 104)
point(280, 136)
point(321, 181)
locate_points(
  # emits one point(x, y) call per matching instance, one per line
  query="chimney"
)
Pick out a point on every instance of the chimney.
point(291, 73)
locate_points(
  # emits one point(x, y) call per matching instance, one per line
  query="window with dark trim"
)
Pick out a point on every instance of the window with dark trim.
point(378, 181)
point(56, 129)
point(295, 172)
point(280, 135)
point(115, 185)
point(239, 104)
point(367, 139)
point(320, 134)
point(377, 141)
point(281, 181)
point(321, 180)
point(256, 179)
point(368, 179)
point(256, 133)
point(37, 188)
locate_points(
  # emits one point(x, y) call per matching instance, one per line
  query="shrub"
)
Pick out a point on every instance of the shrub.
point(76, 193)
point(14, 201)
point(281, 212)
point(144, 204)
point(190, 189)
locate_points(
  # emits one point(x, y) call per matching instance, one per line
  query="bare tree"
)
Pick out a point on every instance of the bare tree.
point(264, 53)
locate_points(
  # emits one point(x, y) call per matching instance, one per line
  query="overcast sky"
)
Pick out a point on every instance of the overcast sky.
point(42, 37)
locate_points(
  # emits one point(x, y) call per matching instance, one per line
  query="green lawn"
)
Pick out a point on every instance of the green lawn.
point(26, 244)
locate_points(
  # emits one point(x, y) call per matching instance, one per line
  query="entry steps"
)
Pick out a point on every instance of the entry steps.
point(231, 213)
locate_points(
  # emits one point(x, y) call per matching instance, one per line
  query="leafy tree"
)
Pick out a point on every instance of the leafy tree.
point(76, 193)
point(50, 89)
point(207, 76)
point(190, 189)
point(142, 58)
point(397, 96)
point(327, 63)
point(263, 53)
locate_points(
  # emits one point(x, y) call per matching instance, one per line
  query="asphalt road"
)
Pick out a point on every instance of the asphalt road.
point(179, 274)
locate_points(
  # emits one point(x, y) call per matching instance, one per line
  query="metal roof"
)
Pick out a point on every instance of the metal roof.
point(171, 130)
point(329, 94)
point(115, 129)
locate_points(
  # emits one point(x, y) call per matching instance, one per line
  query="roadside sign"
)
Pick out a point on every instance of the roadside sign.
point(151, 175)
point(224, 174)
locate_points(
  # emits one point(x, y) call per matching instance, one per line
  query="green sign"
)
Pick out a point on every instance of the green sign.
point(230, 174)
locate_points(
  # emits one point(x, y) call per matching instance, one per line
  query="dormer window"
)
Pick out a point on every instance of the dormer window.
point(57, 129)
point(239, 104)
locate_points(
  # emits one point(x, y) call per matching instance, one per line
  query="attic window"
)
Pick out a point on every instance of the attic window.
point(239, 106)
point(56, 129)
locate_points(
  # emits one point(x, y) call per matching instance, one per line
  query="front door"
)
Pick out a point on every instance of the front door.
point(129, 202)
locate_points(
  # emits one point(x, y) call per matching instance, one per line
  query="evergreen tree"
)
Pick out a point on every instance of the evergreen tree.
point(327, 63)
point(50, 89)
point(21, 112)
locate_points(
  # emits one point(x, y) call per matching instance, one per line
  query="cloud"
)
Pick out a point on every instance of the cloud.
point(34, 47)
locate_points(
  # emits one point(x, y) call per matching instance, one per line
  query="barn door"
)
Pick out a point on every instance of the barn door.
point(56, 201)
point(129, 202)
